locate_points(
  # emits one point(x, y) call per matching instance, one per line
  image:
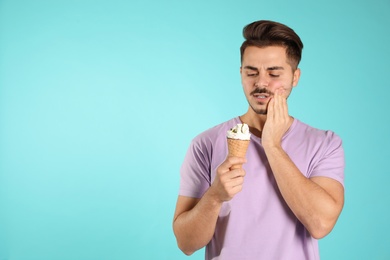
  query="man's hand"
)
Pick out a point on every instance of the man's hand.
point(228, 183)
point(278, 120)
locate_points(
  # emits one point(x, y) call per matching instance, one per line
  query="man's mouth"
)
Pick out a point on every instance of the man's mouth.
point(261, 95)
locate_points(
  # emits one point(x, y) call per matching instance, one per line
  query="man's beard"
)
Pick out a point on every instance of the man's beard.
point(259, 111)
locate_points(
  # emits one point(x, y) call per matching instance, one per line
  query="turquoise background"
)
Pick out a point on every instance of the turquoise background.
point(100, 99)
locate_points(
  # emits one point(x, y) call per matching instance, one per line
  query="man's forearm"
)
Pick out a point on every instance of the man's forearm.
point(195, 228)
point(311, 204)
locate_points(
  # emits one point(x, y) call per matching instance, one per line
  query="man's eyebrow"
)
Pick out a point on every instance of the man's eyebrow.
point(251, 68)
point(269, 68)
point(275, 68)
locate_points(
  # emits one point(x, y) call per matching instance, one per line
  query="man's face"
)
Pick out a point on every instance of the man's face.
point(263, 71)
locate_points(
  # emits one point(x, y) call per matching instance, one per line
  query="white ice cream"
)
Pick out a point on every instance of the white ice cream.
point(240, 131)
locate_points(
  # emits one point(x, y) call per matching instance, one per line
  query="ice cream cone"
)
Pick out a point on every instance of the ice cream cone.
point(237, 148)
point(238, 139)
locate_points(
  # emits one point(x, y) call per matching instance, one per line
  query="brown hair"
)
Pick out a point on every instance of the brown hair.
point(268, 33)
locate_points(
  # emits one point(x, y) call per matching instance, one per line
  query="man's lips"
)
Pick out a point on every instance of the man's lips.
point(262, 97)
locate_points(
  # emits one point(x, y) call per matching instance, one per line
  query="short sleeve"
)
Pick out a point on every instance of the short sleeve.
point(195, 171)
point(332, 163)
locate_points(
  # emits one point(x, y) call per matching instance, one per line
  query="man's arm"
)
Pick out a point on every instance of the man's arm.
point(317, 202)
point(195, 219)
point(194, 222)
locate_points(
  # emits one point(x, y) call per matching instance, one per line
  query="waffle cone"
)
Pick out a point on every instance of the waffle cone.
point(237, 148)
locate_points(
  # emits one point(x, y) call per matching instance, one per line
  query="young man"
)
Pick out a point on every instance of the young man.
point(289, 191)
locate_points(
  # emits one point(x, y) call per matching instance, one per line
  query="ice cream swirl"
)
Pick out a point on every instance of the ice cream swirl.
point(240, 131)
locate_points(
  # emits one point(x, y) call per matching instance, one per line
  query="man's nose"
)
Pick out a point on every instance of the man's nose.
point(262, 80)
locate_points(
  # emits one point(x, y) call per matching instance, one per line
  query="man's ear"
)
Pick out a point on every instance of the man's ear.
point(296, 76)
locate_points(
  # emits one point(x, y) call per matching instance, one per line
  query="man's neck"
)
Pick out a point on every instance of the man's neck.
point(254, 121)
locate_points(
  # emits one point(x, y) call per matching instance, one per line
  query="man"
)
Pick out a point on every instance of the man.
point(289, 191)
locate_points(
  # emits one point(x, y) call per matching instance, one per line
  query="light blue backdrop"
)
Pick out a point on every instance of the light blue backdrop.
point(100, 99)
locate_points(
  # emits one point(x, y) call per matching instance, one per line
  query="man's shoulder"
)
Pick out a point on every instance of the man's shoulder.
point(311, 132)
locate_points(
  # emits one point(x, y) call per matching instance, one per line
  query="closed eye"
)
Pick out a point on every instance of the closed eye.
point(275, 71)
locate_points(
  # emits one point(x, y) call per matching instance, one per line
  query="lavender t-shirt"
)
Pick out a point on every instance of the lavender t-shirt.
point(257, 223)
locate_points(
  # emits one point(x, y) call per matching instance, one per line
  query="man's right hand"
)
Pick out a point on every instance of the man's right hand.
point(228, 183)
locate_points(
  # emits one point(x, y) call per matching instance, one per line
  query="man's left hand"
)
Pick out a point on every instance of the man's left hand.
point(278, 120)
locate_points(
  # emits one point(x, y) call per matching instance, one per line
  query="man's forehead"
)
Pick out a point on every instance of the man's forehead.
point(252, 53)
point(273, 57)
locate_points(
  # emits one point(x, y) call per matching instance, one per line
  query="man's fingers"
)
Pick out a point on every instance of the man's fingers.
point(278, 99)
point(234, 183)
point(270, 108)
point(283, 101)
point(233, 160)
point(280, 103)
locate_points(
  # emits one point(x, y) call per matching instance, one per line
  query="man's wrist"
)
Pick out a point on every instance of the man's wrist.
point(272, 148)
point(213, 198)
point(272, 145)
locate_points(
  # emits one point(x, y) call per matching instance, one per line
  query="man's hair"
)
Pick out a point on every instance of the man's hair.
point(268, 33)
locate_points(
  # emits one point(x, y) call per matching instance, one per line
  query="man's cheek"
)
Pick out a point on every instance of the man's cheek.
point(286, 89)
point(276, 84)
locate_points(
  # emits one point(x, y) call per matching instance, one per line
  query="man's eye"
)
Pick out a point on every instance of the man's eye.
point(252, 75)
point(274, 75)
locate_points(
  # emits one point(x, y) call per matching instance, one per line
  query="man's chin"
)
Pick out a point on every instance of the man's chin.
point(260, 111)
point(259, 108)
